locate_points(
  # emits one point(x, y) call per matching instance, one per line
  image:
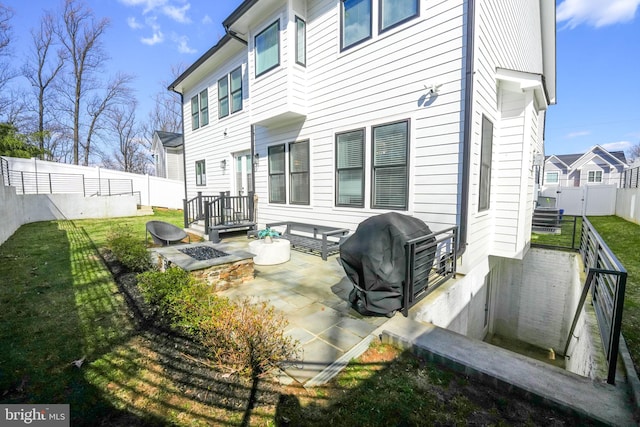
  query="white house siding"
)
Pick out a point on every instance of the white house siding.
point(175, 164)
point(209, 142)
point(380, 81)
point(160, 160)
point(507, 36)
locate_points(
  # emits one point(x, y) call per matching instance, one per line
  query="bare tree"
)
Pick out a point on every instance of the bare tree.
point(41, 71)
point(133, 152)
point(117, 92)
point(80, 35)
point(6, 70)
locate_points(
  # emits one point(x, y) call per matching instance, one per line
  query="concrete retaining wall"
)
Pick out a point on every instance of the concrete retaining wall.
point(16, 210)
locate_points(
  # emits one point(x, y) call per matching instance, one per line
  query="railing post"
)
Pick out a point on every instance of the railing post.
point(37, 189)
point(50, 184)
point(185, 212)
point(223, 206)
point(199, 205)
point(250, 206)
point(22, 179)
point(206, 218)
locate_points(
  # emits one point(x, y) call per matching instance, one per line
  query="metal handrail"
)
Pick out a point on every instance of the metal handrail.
point(606, 279)
point(430, 261)
point(227, 210)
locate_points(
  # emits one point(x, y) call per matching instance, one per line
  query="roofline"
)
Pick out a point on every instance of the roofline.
point(591, 150)
point(208, 54)
point(236, 14)
point(557, 158)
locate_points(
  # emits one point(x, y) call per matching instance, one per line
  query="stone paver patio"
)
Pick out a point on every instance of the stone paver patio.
point(313, 295)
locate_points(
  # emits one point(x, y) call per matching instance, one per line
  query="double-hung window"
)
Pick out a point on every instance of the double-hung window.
point(200, 110)
point(301, 42)
point(395, 12)
point(277, 185)
point(551, 178)
point(201, 173)
point(235, 79)
point(486, 148)
point(356, 22)
point(390, 173)
point(223, 97)
point(350, 168)
point(267, 49)
point(299, 173)
point(595, 176)
point(230, 90)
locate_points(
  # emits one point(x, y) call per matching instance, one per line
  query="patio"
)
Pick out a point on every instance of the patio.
point(313, 295)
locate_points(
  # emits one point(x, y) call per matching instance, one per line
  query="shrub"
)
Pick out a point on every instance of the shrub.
point(248, 338)
point(129, 250)
point(242, 337)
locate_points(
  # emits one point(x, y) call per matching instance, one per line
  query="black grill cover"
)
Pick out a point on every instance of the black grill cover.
point(374, 260)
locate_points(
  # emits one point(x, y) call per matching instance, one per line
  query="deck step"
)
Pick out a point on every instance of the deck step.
point(144, 210)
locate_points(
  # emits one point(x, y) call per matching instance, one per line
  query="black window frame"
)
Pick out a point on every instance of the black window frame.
point(342, 22)
point(204, 107)
point(201, 175)
point(486, 154)
point(398, 23)
point(255, 46)
point(374, 168)
point(338, 169)
point(303, 61)
point(270, 154)
point(223, 96)
point(293, 171)
point(232, 92)
point(195, 112)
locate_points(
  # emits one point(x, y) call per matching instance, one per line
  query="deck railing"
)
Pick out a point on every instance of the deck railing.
point(193, 209)
point(227, 210)
point(431, 261)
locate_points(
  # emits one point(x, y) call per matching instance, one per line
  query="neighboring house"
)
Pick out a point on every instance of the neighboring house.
point(337, 110)
point(167, 149)
point(595, 167)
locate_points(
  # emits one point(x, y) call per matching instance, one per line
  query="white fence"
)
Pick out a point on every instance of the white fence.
point(586, 200)
point(628, 204)
point(154, 191)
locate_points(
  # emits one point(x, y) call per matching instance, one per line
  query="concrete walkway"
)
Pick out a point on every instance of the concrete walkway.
point(313, 295)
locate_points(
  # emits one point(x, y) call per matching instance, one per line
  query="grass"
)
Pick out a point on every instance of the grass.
point(59, 304)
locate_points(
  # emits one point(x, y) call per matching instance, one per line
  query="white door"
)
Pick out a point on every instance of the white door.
point(242, 168)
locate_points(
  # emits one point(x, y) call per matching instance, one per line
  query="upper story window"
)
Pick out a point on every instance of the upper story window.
point(390, 180)
point(201, 173)
point(356, 22)
point(395, 12)
point(486, 149)
point(301, 42)
point(230, 89)
point(267, 49)
point(551, 178)
point(200, 110)
point(350, 168)
point(595, 176)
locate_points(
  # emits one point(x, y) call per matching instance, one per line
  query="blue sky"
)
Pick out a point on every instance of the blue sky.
point(598, 58)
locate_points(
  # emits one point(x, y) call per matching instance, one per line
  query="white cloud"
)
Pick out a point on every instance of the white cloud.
point(207, 20)
point(577, 134)
point(183, 44)
point(133, 24)
point(148, 5)
point(156, 38)
point(596, 13)
point(617, 146)
point(178, 14)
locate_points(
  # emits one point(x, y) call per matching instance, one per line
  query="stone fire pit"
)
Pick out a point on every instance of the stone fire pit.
point(219, 265)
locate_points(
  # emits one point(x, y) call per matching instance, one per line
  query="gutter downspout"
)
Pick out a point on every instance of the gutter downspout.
point(234, 35)
point(184, 146)
point(466, 142)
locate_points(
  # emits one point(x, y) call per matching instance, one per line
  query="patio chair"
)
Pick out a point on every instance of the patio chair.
point(164, 233)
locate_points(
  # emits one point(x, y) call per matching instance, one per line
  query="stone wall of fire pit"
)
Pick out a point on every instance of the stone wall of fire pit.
point(218, 265)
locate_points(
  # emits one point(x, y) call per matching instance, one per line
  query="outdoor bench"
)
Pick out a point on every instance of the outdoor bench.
point(313, 238)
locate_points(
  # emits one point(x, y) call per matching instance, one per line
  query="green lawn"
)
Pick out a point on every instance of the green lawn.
point(59, 303)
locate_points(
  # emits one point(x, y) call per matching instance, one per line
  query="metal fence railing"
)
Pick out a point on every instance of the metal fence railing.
point(606, 280)
point(26, 182)
point(430, 261)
